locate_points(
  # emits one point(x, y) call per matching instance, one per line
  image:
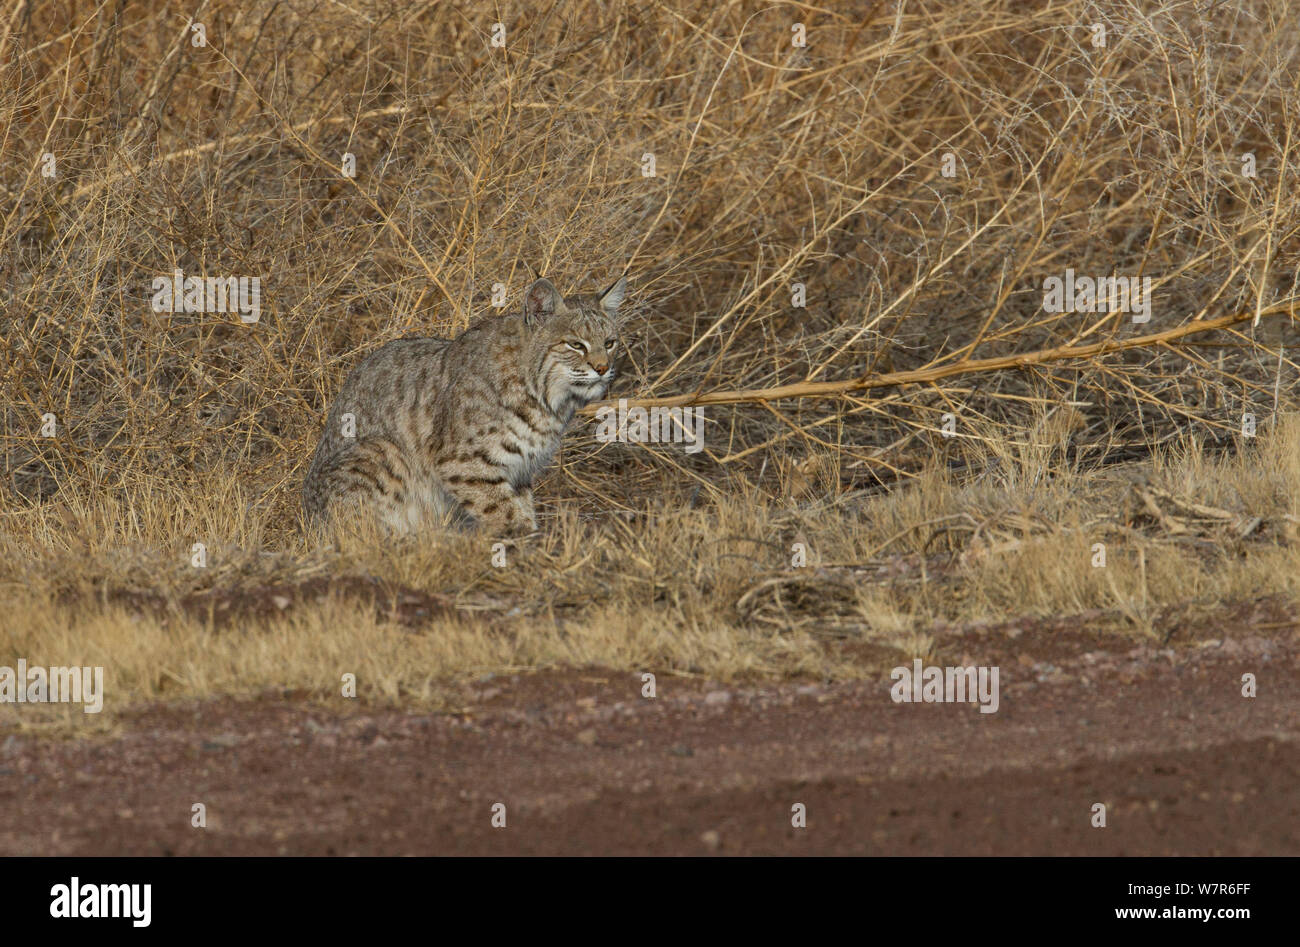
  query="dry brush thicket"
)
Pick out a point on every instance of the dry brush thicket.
point(774, 165)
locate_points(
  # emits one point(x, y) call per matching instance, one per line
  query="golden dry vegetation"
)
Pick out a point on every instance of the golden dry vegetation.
point(774, 164)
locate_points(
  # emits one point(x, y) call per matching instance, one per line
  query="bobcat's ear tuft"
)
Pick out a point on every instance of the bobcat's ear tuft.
point(612, 298)
point(540, 302)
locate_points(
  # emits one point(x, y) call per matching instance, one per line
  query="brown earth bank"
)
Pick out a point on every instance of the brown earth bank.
point(1164, 738)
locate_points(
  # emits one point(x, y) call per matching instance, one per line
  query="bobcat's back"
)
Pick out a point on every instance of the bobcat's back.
point(374, 427)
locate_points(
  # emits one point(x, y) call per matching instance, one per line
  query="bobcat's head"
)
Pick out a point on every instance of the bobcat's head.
point(577, 340)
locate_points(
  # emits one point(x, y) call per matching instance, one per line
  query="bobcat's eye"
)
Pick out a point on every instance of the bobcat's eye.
point(577, 346)
point(610, 343)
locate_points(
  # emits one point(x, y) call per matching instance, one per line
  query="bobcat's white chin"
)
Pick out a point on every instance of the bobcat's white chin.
point(591, 386)
point(591, 391)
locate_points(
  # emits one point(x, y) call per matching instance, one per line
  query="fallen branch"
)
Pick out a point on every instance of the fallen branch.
point(832, 389)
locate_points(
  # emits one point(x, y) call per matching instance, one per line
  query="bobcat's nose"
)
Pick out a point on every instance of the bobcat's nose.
point(601, 368)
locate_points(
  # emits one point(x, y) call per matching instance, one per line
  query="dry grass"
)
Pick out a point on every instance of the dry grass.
point(775, 165)
point(709, 591)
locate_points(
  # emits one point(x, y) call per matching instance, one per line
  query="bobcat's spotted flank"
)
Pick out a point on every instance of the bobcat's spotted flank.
point(459, 427)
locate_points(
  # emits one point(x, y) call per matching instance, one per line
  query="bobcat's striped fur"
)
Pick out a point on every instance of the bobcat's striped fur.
point(459, 427)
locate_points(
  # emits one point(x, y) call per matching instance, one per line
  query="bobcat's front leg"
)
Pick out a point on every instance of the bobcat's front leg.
point(524, 510)
point(498, 507)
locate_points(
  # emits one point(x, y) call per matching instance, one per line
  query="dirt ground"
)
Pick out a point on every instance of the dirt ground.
point(584, 765)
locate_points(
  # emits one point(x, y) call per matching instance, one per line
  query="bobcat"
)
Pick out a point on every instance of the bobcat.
point(458, 428)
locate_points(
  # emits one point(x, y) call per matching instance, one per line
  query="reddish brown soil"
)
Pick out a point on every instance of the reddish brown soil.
point(584, 765)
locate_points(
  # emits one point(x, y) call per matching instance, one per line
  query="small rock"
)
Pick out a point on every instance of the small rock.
point(711, 840)
point(681, 749)
point(586, 737)
point(714, 698)
point(281, 601)
point(368, 733)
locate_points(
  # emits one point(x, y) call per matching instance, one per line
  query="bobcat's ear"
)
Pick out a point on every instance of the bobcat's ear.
point(540, 302)
point(612, 298)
